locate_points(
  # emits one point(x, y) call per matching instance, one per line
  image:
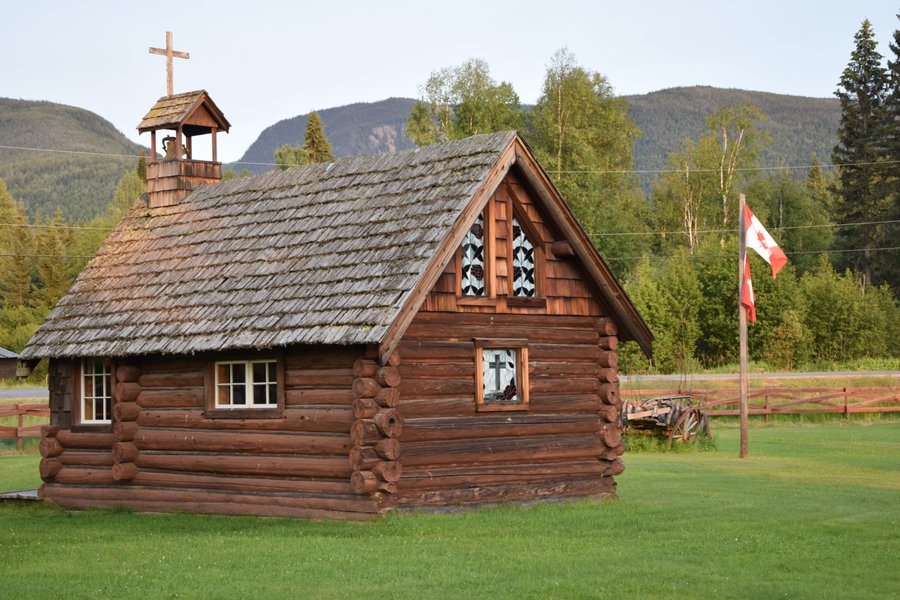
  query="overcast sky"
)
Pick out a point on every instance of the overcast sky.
point(266, 61)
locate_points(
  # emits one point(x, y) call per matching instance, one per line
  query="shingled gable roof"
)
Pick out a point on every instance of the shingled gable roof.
point(171, 111)
point(339, 253)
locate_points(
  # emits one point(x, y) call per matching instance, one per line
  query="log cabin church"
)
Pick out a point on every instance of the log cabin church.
point(429, 329)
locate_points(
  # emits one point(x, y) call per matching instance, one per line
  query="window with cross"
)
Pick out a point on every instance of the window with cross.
point(501, 374)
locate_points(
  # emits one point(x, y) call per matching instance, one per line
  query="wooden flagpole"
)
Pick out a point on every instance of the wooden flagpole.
point(742, 323)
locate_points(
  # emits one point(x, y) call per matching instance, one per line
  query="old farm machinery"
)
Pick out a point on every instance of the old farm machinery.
point(672, 417)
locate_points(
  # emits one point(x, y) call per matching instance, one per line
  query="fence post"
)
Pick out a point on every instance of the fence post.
point(766, 407)
point(19, 440)
point(846, 405)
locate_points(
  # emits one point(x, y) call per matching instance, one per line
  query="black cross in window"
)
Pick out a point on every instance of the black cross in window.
point(497, 365)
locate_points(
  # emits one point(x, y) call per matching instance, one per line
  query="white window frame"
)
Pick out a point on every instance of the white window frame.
point(249, 383)
point(90, 396)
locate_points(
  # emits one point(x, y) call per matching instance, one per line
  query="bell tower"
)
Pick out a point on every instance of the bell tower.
point(183, 116)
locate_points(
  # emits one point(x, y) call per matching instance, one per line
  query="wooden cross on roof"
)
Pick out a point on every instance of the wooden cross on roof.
point(168, 52)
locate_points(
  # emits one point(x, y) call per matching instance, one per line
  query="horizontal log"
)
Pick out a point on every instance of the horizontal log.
point(50, 447)
point(592, 487)
point(616, 468)
point(499, 322)
point(608, 342)
point(389, 470)
point(172, 398)
point(435, 388)
point(365, 408)
point(86, 458)
point(296, 397)
point(278, 466)
point(128, 373)
point(364, 432)
point(437, 479)
point(482, 451)
point(568, 352)
point(197, 440)
point(49, 430)
point(188, 498)
point(364, 482)
point(607, 375)
point(361, 458)
point(48, 468)
point(387, 397)
point(125, 431)
point(365, 368)
point(242, 483)
point(85, 439)
point(609, 393)
point(608, 359)
point(610, 414)
point(389, 422)
point(612, 435)
point(127, 392)
point(124, 452)
point(388, 448)
point(566, 386)
point(533, 334)
point(497, 426)
point(124, 471)
point(126, 411)
point(394, 360)
point(606, 326)
point(170, 364)
point(326, 356)
point(542, 402)
point(328, 419)
point(388, 377)
point(366, 387)
point(319, 378)
point(176, 379)
point(84, 476)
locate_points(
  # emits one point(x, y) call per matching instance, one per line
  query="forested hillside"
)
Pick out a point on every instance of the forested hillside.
point(797, 126)
point(362, 128)
point(81, 185)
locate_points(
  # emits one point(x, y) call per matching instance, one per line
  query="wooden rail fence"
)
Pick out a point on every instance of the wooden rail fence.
point(786, 401)
point(21, 431)
point(715, 402)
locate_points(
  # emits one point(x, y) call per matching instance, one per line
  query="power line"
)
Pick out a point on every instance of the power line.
point(593, 235)
point(555, 172)
point(710, 256)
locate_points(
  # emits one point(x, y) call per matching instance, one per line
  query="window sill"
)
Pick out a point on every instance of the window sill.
point(244, 413)
point(520, 406)
point(92, 428)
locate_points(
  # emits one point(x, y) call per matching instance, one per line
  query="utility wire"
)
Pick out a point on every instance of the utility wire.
point(592, 235)
point(560, 172)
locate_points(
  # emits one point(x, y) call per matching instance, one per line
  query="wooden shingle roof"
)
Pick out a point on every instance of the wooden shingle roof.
point(170, 112)
point(321, 254)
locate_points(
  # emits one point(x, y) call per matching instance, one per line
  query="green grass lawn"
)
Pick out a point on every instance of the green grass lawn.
point(813, 513)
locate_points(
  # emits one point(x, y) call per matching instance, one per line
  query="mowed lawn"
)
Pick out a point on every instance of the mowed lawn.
point(814, 513)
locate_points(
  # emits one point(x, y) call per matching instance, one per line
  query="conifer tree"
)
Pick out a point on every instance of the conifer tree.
point(860, 196)
point(317, 146)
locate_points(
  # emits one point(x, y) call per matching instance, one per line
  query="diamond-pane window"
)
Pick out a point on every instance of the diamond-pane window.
point(473, 276)
point(523, 262)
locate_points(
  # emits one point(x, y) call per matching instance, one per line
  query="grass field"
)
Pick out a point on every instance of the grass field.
point(813, 513)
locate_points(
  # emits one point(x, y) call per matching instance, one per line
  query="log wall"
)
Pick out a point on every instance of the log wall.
point(167, 451)
point(566, 444)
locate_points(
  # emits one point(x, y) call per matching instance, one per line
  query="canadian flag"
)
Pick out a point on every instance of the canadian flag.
point(756, 237)
point(748, 299)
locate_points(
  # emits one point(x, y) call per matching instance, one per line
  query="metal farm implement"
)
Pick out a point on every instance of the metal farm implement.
point(674, 417)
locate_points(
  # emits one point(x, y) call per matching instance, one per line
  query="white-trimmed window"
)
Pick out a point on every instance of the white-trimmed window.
point(246, 384)
point(96, 391)
point(501, 374)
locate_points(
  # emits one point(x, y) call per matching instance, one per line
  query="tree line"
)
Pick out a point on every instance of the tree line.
point(674, 246)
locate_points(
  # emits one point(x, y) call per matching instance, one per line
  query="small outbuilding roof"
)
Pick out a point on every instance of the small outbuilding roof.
point(4, 353)
point(337, 253)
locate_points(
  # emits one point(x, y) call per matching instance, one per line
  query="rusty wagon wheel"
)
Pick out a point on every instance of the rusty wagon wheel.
point(692, 423)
